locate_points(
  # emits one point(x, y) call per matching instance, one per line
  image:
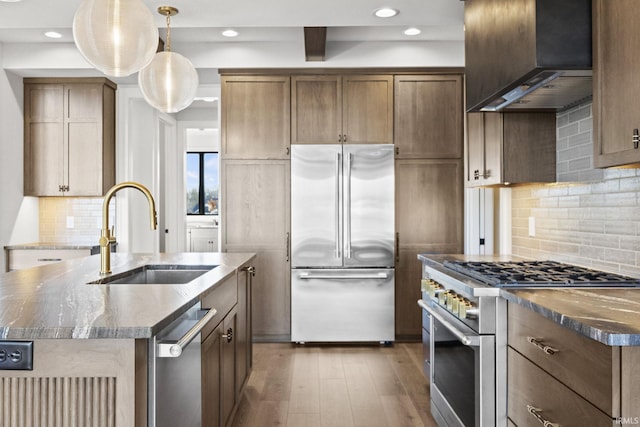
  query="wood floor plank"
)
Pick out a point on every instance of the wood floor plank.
point(413, 381)
point(335, 408)
point(401, 412)
point(335, 386)
point(280, 369)
point(330, 364)
point(303, 420)
point(366, 406)
point(305, 386)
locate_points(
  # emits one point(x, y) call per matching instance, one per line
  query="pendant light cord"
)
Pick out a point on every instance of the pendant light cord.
point(168, 49)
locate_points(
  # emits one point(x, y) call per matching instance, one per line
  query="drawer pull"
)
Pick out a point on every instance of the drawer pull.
point(542, 346)
point(536, 413)
point(49, 259)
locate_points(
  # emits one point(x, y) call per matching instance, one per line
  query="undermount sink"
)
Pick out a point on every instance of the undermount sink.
point(157, 274)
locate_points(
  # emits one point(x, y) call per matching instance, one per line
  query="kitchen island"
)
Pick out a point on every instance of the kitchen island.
point(91, 341)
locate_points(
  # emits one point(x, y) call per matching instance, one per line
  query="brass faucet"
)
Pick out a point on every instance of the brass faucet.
point(106, 235)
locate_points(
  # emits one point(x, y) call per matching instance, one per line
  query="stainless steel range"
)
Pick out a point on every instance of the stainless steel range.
point(464, 322)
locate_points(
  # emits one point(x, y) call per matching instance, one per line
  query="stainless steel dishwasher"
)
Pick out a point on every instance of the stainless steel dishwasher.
point(175, 371)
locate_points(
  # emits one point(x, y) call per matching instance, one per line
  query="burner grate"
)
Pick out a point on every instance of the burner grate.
point(538, 274)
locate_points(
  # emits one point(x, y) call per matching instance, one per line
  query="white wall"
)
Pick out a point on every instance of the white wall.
point(18, 214)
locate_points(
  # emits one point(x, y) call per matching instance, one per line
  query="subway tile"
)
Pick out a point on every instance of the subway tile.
point(620, 227)
point(591, 174)
point(592, 252)
point(580, 113)
point(613, 173)
point(631, 243)
point(586, 125)
point(570, 129)
point(579, 164)
point(581, 139)
point(630, 184)
point(620, 256)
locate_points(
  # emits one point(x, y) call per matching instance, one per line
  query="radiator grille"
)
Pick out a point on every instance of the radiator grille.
point(57, 402)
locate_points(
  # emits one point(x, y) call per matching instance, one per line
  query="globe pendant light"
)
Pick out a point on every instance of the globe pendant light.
point(118, 37)
point(170, 81)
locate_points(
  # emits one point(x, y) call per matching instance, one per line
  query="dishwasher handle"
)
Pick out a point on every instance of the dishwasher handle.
point(174, 349)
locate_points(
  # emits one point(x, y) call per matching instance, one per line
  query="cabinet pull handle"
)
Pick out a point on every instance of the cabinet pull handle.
point(397, 151)
point(344, 138)
point(287, 244)
point(536, 413)
point(476, 174)
point(229, 335)
point(542, 346)
point(636, 139)
point(49, 259)
point(398, 248)
point(287, 149)
point(339, 138)
point(250, 269)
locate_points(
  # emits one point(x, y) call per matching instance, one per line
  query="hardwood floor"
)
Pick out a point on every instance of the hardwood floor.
point(335, 386)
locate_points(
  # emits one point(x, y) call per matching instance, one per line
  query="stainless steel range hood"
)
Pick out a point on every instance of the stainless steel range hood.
point(527, 54)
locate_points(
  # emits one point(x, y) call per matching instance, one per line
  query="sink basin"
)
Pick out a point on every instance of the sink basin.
point(157, 274)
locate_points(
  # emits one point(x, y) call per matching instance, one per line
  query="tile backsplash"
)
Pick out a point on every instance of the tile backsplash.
point(591, 217)
point(72, 219)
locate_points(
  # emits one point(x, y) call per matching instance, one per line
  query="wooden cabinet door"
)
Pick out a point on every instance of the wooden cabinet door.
point(211, 378)
point(616, 88)
point(228, 354)
point(84, 155)
point(43, 139)
point(69, 138)
point(255, 117)
point(316, 109)
point(256, 208)
point(428, 116)
point(493, 149)
point(256, 219)
point(429, 218)
point(475, 149)
point(367, 112)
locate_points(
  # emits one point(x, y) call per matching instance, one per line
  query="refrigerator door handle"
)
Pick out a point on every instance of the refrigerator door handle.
point(348, 209)
point(337, 206)
point(309, 276)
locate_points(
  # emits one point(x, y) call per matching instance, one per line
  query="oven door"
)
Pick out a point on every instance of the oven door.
point(463, 372)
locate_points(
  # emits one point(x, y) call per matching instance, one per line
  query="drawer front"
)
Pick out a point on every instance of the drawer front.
point(584, 365)
point(27, 258)
point(222, 298)
point(530, 389)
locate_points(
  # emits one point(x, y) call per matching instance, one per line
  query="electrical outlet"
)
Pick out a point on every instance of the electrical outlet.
point(532, 226)
point(70, 222)
point(16, 355)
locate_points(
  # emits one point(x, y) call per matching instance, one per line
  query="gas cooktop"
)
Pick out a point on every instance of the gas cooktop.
point(538, 274)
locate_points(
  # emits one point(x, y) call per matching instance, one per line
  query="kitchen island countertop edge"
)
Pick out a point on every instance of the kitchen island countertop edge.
point(56, 301)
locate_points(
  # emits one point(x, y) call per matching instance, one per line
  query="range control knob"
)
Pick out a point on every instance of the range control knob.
point(466, 310)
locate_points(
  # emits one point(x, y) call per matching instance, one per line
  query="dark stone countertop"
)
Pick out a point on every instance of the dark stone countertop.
point(610, 316)
point(55, 301)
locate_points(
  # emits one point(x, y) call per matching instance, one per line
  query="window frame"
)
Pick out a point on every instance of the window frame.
point(201, 185)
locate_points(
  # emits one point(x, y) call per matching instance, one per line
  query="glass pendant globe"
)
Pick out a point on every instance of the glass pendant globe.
point(118, 37)
point(169, 83)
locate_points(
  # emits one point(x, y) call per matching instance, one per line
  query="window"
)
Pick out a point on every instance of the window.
point(202, 183)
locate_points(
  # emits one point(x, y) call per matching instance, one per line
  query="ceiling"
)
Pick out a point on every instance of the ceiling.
point(268, 24)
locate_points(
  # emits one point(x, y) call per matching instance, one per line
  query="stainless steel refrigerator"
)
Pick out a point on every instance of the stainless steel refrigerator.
point(342, 243)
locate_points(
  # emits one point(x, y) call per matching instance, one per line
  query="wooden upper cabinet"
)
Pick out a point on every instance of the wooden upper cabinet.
point(69, 137)
point(316, 104)
point(350, 109)
point(367, 112)
point(255, 117)
point(616, 88)
point(510, 148)
point(429, 116)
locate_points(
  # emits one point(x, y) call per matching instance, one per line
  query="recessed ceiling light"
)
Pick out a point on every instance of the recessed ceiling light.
point(413, 31)
point(230, 33)
point(385, 12)
point(53, 34)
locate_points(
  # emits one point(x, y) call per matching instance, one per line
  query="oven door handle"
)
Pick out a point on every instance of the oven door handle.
point(468, 340)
